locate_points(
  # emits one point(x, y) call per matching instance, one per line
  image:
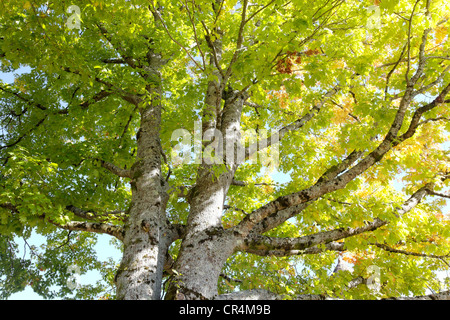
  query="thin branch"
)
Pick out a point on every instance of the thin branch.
point(412, 58)
point(409, 253)
point(276, 137)
point(191, 19)
point(433, 119)
point(422, 60)
point(11, 144)
point(28, 100)
point(129, 60)
point(434, 193)
point(438, 57)
point(156, 12)
point(124, 173)
point(348, 113)
point(113, 61)
point(432, 84)
point(96, 98)
point(211, 45)
point(239, 40)
point(409, 43)
point(392, 71)
point(415, 121)
point(9, 206)
point(125, 129)
point(258, 11)
point(230, 279)
point(239, 183)
point(96, 227)
point(129, 97)
point(227, 207)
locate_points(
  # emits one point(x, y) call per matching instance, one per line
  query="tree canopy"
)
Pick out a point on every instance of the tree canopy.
point(349, 99)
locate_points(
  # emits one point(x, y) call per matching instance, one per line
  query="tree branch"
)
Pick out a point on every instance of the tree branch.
point(258, 11)
point(444, 295)
point(124, 173)
point(409, 253)
point(96, 98)
point(439, 194)
point(230, 279)
point(264, 251)
point(260, 220)
point(276, 137)
point(262, 294)
point(422, 60)
point(239, 40)
point(92, 215)
point(432, 84)
point(113, 230)
point(278, 218)
point(11, 144)
point(215, 57)
point(194, 29)
point(337, 169)
point(341, 180)
point(239, 183)
point(96, 227)
point(415, 121)
point(392, 71)
point(114, 61)
point(156, 12)
point(129, 60)
point(259, 244)
point(29, 101)
point(433, 119)
point(409, 43)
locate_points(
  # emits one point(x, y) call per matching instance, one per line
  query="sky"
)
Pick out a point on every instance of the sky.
point(104, 249)
point(104, 252)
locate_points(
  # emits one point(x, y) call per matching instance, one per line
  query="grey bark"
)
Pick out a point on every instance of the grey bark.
point(207, 245)
point(146, 228)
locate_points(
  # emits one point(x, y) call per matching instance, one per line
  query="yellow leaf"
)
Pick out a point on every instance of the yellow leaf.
point(27, 5)
point(441, 33)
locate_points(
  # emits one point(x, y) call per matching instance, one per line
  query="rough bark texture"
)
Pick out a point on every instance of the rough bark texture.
point(207, 245)
point(145, 240)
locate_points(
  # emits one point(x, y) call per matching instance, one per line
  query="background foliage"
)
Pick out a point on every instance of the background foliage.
point(66, 113)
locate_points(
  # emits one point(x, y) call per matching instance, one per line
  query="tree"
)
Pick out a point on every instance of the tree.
point(353, 94)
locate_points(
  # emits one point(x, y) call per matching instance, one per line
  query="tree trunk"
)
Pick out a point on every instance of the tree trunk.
point(207, 245)
point(146, 239)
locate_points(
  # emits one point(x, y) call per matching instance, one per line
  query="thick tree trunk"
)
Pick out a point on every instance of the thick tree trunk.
point(207, 245)
point(146, 237)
